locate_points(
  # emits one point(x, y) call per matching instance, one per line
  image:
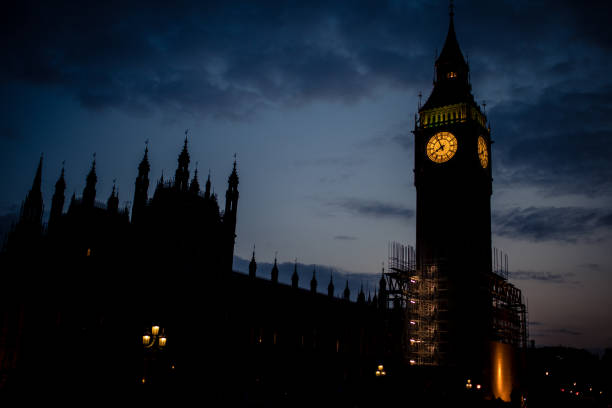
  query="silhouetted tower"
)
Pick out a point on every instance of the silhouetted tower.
point(383, 297)
point(231, 209)
point(330, 287)
point(295, 278)
point(252, 265)
point(274, 273)
point(207, 191)
point(452, 177)
point(347, 292)
point(32, 207)
point(194, 187)
point(113, 201)
point(361, 296)
point(141, 193)
point(57, 202)
point(313, 282)
point(89, 192)
point(181, 177)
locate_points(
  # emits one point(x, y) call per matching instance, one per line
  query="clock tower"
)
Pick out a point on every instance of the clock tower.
point(452, 177)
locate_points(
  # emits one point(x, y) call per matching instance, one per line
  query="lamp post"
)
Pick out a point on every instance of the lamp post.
point(153, 341)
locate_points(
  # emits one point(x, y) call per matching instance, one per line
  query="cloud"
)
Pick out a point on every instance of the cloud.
point(563, 224)
point(543, 276)
point(374, 208)
point(560, 143)
point(345, 238)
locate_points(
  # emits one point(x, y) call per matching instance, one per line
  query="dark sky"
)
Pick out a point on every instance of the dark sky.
point(317, 99)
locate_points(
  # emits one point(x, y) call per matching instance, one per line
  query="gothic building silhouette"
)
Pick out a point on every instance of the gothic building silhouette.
point(80, 290)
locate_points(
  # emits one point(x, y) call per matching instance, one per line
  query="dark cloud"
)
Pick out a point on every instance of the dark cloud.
point(543, 276)
point(228, 59)
point(565, 224)
point(345, 238)
point(374, 208)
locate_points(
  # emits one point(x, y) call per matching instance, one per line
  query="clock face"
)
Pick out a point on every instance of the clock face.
point(483, 153)
point(441, 147)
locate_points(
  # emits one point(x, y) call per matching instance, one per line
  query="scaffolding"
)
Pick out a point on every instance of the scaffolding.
point(415, 291)
point(510, 325)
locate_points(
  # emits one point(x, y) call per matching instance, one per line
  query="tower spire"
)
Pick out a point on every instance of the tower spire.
point(181, 177)
point(89, 193)
point(274, 274)
point(57, 202)
point(252, 265)
point(295, 278)
point(32, 207)
point(113, 201)
point(313, 281)
point(142, 186)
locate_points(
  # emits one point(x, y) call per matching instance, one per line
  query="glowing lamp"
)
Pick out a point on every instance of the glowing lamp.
point(146, 339)
point(478, 386)
point(412, 362)
point(380, 367)
point(162, 341)
point(378, 373)
point(383, 373)
point(155, 330)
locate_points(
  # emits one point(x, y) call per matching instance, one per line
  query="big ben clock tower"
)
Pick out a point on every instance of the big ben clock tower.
point(452, 177)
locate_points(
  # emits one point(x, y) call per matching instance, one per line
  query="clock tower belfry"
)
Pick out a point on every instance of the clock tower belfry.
point(452, 176)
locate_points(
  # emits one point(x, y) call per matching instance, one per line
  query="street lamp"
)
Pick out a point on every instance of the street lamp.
point(380, 371)
point(155, 338)
point(153, 341)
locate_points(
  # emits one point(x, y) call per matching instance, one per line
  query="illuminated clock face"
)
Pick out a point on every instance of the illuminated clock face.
point(441, 147)
point(483, 153)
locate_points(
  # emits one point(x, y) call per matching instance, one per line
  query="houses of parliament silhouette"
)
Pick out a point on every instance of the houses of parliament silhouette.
point(79, 290)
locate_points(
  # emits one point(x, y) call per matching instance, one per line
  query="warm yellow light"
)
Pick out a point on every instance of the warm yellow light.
point(503, 370)
point(155, 330)
point(146, 339)
point(412, 362)
point(483, 152)
point(88, 251)
point(380, 367)
point(383, 373)
point(441, 147)
point(143, 380)
point(547, 373)
point(377, 373)
point(478, 386)
point(162, 341)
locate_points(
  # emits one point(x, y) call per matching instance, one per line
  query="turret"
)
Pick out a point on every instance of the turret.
point(361, 296)
point(313, 282)
point(89, 192)
point(347, 292)
point(194, 187)
point(57, 202)
point(181, 177)
point(274, 273)
point(141, 188)
point(207, 191)
point(229, 216)
point(252, 265)
point(113, 201)
point(32, 207)
point(295, 278)
point(330, 287)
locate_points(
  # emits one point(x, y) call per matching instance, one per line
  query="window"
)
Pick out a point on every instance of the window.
point(451, 75)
